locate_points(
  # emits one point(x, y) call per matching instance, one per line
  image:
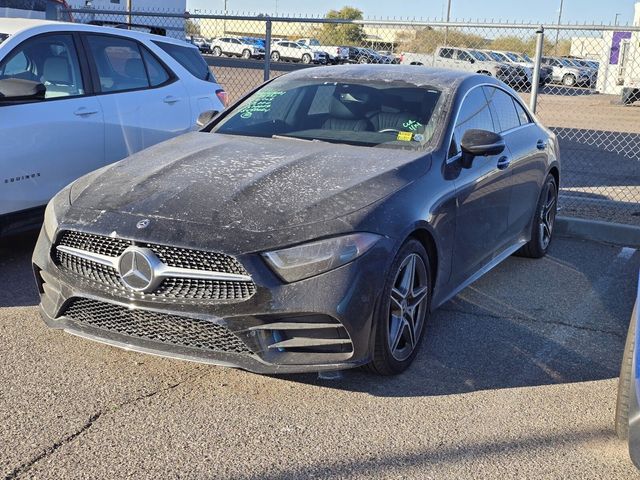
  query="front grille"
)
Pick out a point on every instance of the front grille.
point(170, 288)
point(205, 289)
point(154, 326)
point(109, 246)
point(197, 259)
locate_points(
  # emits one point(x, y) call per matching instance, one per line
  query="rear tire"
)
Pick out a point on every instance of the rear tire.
point(403, 311)
point(624, 383)
point(543, 221)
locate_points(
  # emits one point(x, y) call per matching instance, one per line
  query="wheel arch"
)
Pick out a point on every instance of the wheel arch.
point(426, 238)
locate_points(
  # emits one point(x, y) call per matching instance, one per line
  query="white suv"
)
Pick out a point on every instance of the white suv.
point(74, 98)
point(236, 47)
point(286, 50)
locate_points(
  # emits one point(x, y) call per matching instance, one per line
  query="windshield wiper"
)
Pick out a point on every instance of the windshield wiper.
point(286, 137)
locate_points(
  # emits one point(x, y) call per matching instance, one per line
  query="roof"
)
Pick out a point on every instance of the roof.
point(13, 26)
point(419, 75)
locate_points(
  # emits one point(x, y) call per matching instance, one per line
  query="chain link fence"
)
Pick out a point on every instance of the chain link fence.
point(583, 82)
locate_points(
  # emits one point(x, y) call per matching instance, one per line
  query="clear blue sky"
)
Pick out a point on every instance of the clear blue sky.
point(600, 11)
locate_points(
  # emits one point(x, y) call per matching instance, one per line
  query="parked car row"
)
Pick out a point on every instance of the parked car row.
point(513, 68)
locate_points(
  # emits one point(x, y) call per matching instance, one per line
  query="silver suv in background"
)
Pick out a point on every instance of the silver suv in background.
point(566, 73)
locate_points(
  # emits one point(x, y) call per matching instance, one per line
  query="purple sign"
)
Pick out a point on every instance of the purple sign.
point(615, 46)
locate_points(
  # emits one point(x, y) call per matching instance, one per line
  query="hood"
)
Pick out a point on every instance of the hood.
point(255, 184)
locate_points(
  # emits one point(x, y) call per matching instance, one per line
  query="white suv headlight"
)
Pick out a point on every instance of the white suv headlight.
point(304, 261)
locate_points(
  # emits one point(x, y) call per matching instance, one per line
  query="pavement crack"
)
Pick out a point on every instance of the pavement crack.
point(47, 452)
point(534, 320)
point(18, 471)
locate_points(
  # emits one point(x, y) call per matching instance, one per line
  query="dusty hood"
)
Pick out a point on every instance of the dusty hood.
point(248, 183)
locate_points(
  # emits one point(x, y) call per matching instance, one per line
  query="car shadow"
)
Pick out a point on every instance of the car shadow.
point(529, 322)
point(17, 286)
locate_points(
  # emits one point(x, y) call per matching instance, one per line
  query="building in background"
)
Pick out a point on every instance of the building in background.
point(170, 26)
point(618, 53)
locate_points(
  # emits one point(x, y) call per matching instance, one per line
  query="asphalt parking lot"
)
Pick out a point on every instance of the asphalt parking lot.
point(515, 379)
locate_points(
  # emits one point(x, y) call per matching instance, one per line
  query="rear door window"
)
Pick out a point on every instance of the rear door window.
point(190, 59)
point(118, 62)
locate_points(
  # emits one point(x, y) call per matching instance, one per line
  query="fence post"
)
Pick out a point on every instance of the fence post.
point(267, 50)
point(537, 61)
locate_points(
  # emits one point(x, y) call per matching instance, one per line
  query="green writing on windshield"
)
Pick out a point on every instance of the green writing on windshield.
point(260, 103)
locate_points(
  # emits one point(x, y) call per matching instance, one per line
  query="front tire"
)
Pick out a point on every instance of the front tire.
point(403, 310)
point(275, 56)
point(543, 221)
point(624, 383)
point(568, 80)
point(246, 54)
point(217, 51)
point(306, 59)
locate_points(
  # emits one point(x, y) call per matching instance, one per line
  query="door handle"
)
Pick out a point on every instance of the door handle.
point(503, 163)
point(170, 99)
point(84, 112)
point(541, 145)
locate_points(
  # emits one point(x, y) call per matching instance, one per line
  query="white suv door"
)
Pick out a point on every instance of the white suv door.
point(144, 102)
point(47, 143)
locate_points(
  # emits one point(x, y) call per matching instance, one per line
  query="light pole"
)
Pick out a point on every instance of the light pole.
point(615, 22)
point(446, 30)
point(129, 7)
point(559, 21)
point(224, 22)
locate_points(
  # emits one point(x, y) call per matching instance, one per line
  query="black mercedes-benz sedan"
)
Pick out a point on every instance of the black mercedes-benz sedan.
point(314, 225)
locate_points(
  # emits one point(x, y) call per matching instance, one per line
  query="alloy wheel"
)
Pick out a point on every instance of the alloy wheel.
point(408, 305)
point(548, 214)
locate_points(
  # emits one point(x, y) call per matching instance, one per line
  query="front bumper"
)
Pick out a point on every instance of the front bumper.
point(345, 297)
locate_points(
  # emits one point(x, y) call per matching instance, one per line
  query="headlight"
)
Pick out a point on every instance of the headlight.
point(51, 216)
point(304, 261)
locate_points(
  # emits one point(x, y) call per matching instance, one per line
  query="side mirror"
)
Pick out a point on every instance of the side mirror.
point(476, 143)
point(15, 89)
point(205, 118)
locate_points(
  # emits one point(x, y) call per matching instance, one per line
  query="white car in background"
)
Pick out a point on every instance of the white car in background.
point(74, 98)
point(236, 47)
point(335, 54)
point(292, 51)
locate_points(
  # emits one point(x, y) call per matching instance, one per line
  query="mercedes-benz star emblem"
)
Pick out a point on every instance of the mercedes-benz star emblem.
point(136, 268)
point(143, 223)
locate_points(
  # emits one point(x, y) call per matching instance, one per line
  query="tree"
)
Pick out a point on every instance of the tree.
point(191, 28)
point(342, 34)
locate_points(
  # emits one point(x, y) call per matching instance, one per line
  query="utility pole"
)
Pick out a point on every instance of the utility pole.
point(559, 22)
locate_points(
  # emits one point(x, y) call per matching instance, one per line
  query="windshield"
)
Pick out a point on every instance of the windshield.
point(392, 114)
point(527, 58)
point(496, 56)
point(514, 58)
point(314, 43)
point(566, 62)
point(479, 55)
